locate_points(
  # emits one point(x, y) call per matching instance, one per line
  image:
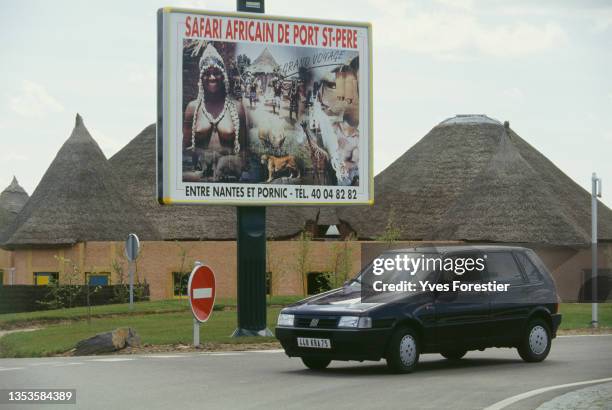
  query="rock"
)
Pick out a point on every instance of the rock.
point(108, 342)
point(133, 340)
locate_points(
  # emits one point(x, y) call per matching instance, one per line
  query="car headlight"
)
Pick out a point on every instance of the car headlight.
point(285, 319)
point(363, 322)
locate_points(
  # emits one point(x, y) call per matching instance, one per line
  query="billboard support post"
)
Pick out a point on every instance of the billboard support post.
point(251, 252)
point(251, 249)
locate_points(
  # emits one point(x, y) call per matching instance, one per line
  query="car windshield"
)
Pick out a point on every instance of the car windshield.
point(398, 267)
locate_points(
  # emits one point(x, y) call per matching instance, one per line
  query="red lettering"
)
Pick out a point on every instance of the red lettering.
point(216, 28)
point(269, 33)
point(188, 26)
point(207, 31)
point(229, 34)
point(242, 27)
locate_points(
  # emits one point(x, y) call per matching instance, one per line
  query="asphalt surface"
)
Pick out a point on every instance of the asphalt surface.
point(270, 380)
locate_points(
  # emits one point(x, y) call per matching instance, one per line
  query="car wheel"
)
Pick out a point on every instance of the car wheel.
point(403, 352)
point(536, 341)
point(453, 354)
point(315, 363)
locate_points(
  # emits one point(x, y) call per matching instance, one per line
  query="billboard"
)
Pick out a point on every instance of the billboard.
point(257, 110)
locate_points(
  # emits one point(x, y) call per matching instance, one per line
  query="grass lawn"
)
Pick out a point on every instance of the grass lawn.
point(578, 315)
point(162, 328)
point(13, 320)
point(170, 322)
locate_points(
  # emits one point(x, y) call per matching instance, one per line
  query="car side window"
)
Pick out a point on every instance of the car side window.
point(464, 269)
point(533, 274)
point(502, 268)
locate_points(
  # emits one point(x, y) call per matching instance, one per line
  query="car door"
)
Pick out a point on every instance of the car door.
point(462, 317)
point(509, 308)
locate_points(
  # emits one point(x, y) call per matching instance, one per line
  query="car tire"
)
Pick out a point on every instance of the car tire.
point(316, 363)
point(403, 351)
point(536, 342)
point(453, 354)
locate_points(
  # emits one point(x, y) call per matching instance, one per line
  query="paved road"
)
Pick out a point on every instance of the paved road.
point(270, 380)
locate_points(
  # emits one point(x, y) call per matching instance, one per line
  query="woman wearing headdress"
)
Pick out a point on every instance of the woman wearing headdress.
point(214, 121)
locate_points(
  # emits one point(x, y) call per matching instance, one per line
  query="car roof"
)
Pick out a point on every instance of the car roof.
point(457, 248)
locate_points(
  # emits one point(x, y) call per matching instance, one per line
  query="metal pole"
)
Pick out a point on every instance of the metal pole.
point(251, 250)
point(196, 332)
point(131, 270)
point(594, 193)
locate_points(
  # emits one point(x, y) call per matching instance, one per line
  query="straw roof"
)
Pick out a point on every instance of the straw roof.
point(471, 178)
point(12, 200)
point(77, 200)
point(265, 63)
point(135, 168)
point(14, 197)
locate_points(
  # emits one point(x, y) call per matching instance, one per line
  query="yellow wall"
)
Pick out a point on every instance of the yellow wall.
point(158, 260)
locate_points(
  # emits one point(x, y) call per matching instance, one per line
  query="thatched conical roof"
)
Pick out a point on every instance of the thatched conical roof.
point(12, 200)
point(264, 63)
point(14, 197)
point(134, 166)
point(471, 178)
point(77, 200)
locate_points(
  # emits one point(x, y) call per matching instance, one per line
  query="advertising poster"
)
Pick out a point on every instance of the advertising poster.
point(258, 110)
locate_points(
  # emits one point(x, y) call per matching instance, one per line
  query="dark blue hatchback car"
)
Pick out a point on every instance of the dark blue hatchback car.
point(452, 315)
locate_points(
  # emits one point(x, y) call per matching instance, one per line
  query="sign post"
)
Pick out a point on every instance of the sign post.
point(132, 247)
point(201, 289)
point(595, 192)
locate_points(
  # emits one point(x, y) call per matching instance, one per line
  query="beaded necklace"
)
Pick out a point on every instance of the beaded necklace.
point(214, 122)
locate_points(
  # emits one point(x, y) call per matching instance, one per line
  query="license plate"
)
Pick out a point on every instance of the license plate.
point(313, 342)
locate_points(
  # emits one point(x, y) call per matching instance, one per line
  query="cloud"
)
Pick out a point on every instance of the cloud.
point(456, 31)
point(13, 156)
point(34, 101)
point(107, 144)
point(513, 93)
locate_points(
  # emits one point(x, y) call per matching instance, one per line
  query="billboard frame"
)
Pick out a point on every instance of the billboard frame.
point(163, 129)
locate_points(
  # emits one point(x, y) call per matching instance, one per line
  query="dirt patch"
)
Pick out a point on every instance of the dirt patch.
point(181, 348)
point(25, 329)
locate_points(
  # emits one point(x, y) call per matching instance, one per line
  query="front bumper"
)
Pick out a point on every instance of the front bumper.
point(346, 344)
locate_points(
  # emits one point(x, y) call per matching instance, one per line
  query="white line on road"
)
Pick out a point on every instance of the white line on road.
point(511, 400)
point(602, 334)
point(4, 369)
point(161, 356)
point(222, 354)
point(265, 351)
point(66, 364)
point(112, 359)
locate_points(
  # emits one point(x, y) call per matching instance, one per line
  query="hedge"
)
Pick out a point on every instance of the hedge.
point(28, 298)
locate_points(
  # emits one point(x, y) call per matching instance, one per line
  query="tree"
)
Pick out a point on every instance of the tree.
point(184, 268)
point(303, 264)
point(391, 233)
point(64, 291)
point(242, 61)
point(341, 264)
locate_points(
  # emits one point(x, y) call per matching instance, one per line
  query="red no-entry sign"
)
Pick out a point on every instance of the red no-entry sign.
point(201, 290)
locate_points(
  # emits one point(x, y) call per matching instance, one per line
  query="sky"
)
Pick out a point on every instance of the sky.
point(544, 66)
